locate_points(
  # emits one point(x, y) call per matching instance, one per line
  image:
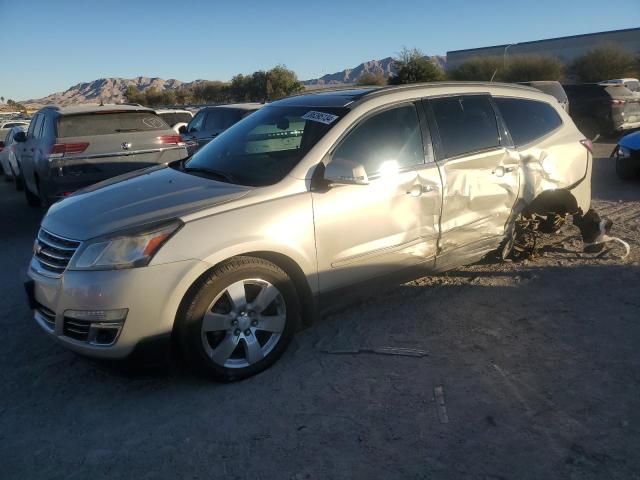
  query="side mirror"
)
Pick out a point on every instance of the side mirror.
point(182, 129)
point(345, 172)
point(20, 137)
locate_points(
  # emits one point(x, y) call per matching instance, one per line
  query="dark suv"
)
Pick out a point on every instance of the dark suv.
point(210, 122)
point(603, 109)
point(67, 148)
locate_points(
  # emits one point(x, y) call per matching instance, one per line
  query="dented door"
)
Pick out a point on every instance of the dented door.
point(480, 175)
point(480, 191)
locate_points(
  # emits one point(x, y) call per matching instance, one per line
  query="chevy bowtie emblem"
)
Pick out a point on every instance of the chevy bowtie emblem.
point(125, 145)
point(37, 248)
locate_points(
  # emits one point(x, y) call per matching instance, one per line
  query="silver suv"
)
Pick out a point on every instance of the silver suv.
point(67, 148)
point(309, 196)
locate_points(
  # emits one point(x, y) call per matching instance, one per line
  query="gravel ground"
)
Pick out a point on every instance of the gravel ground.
point(537, 362)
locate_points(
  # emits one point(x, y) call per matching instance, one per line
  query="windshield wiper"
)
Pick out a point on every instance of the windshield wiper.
point(121, 130)
point(216, 173)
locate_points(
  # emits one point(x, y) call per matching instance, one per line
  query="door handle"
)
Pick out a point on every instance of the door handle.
point(500, 171)
point(418, 190)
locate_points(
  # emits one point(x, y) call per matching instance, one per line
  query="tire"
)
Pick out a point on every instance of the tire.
point(625, 169)
point(32, 199)
point(17, 180)
point(236, 342)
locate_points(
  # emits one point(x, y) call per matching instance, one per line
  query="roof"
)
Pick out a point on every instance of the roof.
point(237, 106)
point(349, 96)
point(95, 108)
point(584, 35)
point(171, 110)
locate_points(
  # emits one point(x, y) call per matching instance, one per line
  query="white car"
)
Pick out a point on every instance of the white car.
point(632, 84)
point(14, 123)
point(8, 161)
point(175, 118)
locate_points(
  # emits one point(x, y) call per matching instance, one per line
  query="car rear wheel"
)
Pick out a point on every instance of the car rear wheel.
point(32, 199)
point(625, 168)
point(239, 319)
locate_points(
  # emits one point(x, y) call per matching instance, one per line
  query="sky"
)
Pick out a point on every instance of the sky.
point(50, 45)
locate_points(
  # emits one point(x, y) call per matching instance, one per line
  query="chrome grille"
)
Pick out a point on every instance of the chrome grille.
point(52, 252)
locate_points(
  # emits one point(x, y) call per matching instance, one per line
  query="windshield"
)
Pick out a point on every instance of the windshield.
point(262, 148)
point(633, 85)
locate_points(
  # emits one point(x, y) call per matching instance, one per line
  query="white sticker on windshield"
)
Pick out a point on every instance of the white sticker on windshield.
point(321, 117)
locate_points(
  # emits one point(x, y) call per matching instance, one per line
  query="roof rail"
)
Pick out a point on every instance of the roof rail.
point(415, 86)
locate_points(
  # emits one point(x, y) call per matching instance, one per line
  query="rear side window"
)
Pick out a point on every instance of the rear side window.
point(391, 139)
point(528, 120)
point(466, 124)
point(109, 123)
point(36, 125)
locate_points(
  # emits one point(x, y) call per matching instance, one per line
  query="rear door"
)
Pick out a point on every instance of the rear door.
point(106, 144)
point(480, 175)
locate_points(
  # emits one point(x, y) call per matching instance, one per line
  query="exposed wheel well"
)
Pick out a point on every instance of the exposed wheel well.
point(558, 201)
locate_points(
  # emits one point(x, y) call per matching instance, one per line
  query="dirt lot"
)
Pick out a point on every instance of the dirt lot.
point(538, 362)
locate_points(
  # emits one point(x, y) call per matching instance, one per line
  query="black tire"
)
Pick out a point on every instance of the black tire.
point(32, 199)
point(199, 300)
point(17, 180)
point(625, 169)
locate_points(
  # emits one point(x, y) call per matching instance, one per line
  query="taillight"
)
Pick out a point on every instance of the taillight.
point(618, 103)
point(170, 139)
point(588, 144)
point(61, 149)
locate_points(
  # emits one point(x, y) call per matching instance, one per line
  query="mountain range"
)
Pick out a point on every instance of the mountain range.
point(112, 90)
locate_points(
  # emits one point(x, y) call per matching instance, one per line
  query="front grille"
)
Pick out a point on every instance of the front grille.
point(53, 253)
point(77, 329)
point(48, 317)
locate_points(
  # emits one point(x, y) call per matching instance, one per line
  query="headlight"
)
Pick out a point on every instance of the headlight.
point(128, 249)
point(624, 152)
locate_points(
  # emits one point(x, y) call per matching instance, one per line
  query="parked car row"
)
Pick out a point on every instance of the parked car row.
point(68, 148)
point(302, 202)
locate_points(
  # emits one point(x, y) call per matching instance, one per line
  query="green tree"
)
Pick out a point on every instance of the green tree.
point(479, 69)
point(2, 99)
point(412, 67)
point(603, 63)
point(526, 68)
point(369, 78)
point(282, 82)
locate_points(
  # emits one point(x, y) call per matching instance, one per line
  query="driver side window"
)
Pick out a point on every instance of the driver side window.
point(390, 139)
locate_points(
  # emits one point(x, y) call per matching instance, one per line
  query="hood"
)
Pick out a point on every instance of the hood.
point(631, 141)
point(155, 194)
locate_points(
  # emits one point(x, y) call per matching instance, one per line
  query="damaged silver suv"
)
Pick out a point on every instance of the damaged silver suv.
point(227, 252)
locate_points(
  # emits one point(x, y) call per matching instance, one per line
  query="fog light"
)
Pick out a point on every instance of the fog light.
point(118, 315)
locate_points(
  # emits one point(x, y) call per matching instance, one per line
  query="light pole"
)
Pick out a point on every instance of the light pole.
point(504, 57)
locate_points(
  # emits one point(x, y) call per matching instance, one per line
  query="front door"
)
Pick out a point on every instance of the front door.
point(364, 231)
point(480, 173)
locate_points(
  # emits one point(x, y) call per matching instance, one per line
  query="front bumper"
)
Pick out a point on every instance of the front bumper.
point(151, 295)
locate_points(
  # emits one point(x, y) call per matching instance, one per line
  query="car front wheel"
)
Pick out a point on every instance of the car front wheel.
point(239, 319)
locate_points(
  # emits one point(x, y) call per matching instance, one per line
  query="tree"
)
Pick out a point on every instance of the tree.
point(1, 99)
point(479, 69)
point(282, 82)
point(412, 67)
point(527, 68)
point(603, 63)
point(369, 78)
point(515, 68)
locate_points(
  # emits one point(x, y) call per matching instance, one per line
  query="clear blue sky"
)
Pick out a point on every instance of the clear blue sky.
point(59, 43)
